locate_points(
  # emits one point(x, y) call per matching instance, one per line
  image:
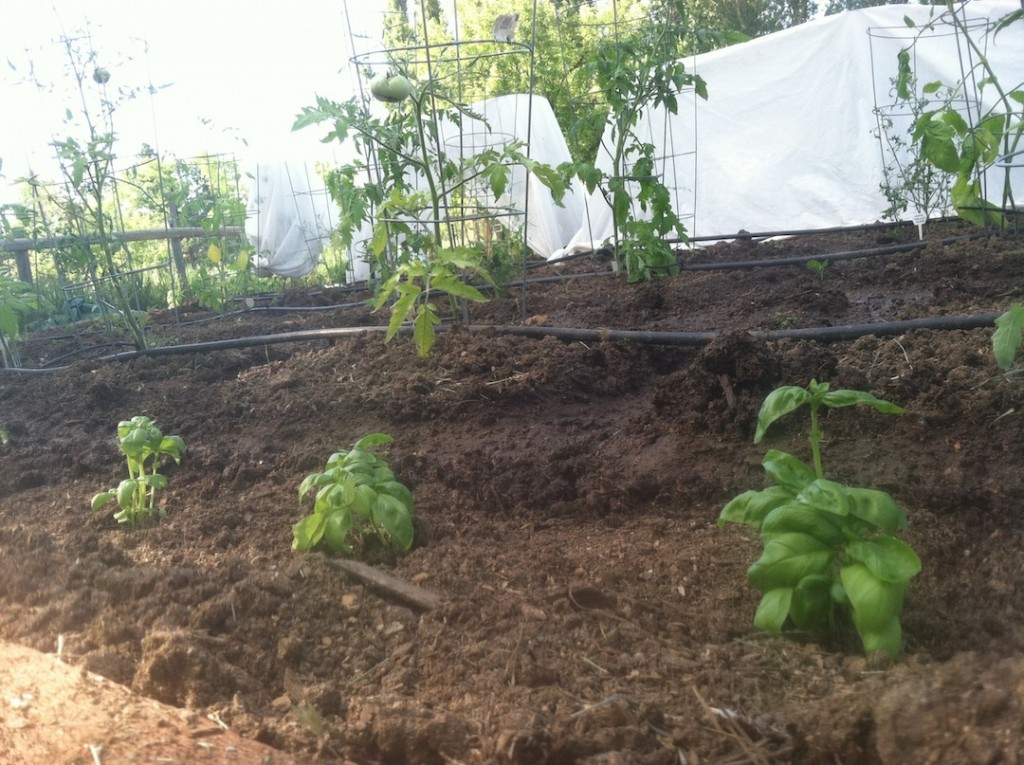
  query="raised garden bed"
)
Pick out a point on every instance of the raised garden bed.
point(590, 611)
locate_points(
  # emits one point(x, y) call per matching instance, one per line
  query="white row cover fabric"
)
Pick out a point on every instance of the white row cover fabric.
point(292, 214)
point(508, 118)
point(290, 218)
point(786, 138)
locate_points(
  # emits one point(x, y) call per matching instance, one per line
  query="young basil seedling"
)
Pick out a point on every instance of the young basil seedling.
point(143, 444)
point(356, 495)
point(818, 267)
point(829, 550)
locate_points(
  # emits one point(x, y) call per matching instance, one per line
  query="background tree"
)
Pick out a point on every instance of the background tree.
point(755, 18)
point(204, 192)
point(567, 34)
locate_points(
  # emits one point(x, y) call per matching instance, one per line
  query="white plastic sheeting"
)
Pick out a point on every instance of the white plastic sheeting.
point(507, 118)
point(290, 218)
point(292, 215)
point(786, 138)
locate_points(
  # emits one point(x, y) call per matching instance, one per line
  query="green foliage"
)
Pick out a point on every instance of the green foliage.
point(17, 299)
point(204, 192)
point(87, 205)
point(636, 72)
point(213, 283)
point(419, 248)
point(755, 18)
point(829, 550)
point(563, 35)
point(413, 282)
point(963, 145)
point(143, 445)
point(356, 495)
point(910, 179)
point(970, 147)
point(560, 34)
point(1009, 336)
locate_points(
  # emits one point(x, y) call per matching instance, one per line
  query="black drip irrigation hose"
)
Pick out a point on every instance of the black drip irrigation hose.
point(892, 249)
point(859, 228)
point(799, 260)
point(569, 334)
point(739, 236)
point(823, 334)
point(268, 309)
point(721, 266)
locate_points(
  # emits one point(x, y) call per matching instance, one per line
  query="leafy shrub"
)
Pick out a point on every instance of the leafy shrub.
point(829, 550)
point(143, 444)
point(356, 495)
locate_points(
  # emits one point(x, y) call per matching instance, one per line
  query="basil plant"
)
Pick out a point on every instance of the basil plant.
point(830, 553)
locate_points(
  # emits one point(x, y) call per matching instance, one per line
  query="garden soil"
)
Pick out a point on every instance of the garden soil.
point(569, 597)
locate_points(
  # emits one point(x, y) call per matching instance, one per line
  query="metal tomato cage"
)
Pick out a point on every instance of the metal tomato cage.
point(465, 215)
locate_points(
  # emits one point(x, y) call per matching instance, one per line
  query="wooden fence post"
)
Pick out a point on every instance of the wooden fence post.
point(24, 264)
point(179, 258)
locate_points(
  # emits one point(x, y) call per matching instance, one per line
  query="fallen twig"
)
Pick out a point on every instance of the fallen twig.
point(412, 594)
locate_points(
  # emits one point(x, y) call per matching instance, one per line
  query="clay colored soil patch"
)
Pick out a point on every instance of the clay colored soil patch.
point(54, 713)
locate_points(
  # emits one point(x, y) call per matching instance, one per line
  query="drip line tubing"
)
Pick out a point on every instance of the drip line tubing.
point(806, 231)
point(892, 249)
point(742, 235)
point(84, 350)
point(269, 309)
point(569, 334)
point(823, 334)
point(737, 265)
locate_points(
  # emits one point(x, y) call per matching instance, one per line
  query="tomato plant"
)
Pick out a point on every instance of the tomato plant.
point(829, 549)
point(419, 246)
point(962, 144)
point(17, 299)
point(635, 73)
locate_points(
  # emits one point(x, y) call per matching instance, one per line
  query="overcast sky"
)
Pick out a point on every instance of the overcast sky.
point(226, 72)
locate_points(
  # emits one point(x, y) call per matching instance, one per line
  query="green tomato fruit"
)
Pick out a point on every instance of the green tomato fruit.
point(391, 90)
point(101, 76)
